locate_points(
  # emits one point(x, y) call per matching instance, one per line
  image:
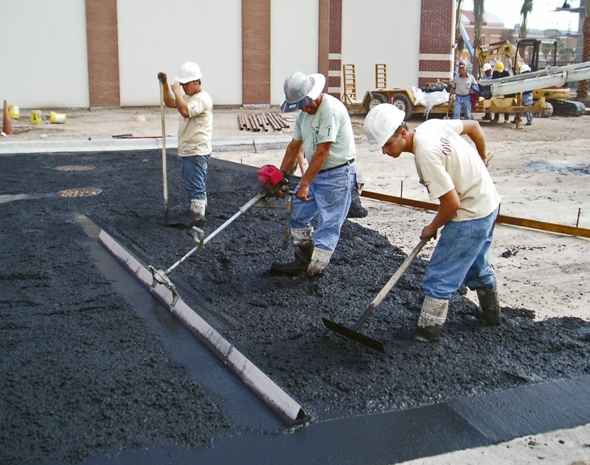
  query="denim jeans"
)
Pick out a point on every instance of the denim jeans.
point(194, 173)
point(462, 101)
point(330, 195)
point(461, 256)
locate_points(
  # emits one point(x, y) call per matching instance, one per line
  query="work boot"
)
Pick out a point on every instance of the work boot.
point(303, 254)
point(198, 210)
point(319, 261)
point(496, 119)
point(432, 318)
point(489, 307)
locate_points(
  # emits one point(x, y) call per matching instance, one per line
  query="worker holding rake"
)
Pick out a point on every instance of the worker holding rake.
point(194, 132)
point(454, 173)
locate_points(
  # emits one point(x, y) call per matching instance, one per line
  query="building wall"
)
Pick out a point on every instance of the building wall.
point(294, 42)
point(375, 32)
point(43, 54)
point(161, 35)
point(245, 48)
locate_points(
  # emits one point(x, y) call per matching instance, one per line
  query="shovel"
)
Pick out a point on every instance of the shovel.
point(352, 333)
point(167, 221)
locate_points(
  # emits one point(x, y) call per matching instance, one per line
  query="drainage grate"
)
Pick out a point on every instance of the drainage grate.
point(80, 192)
point(75, 168)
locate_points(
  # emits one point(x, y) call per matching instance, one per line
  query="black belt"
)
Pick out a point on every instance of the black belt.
point(339, 166)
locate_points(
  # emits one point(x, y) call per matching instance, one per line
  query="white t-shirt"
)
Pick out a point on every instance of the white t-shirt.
point(194, 132)
point(331, 123)
point(446, 161)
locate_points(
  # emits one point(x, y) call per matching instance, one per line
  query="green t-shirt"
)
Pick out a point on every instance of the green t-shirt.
point(331, 123)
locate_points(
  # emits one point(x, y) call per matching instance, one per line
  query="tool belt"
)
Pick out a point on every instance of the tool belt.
point(339, 166)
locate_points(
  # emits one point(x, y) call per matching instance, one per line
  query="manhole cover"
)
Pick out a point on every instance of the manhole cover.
point(75, 168)
point(80, 192)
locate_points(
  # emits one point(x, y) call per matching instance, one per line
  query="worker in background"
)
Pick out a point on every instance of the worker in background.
point(527, 98)
point(487, 76)
point(500, 72)
point(194, 132)
point(323, 127)
point(462, 88)
point(455, 174)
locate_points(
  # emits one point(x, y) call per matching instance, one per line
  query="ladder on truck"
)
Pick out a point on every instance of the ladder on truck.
point(381, 76)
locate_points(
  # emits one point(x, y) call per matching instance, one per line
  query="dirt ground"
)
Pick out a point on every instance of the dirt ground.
point(541, 172)
point(70, 398)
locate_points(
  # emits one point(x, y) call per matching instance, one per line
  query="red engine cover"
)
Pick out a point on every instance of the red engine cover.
point(269, 173)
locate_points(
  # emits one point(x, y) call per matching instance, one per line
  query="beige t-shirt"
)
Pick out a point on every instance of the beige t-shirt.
point(445, 160)
point(194, 132)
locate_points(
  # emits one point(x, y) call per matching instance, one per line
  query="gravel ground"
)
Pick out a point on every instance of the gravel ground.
point(81, 373)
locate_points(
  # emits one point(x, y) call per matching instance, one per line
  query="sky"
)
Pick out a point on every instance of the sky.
point(543, 15)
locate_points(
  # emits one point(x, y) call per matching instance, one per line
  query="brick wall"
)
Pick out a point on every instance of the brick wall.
point(103, 53)
point(255, 52)
point(334, 78)
point(436, 39)
point(324, 37)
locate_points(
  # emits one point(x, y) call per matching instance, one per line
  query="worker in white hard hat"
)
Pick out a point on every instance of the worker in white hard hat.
point(194, 133)
point(324, 129)
point(527, 99)
point(455, 174)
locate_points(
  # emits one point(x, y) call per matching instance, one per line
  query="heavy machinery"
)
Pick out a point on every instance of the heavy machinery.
point(531, 52)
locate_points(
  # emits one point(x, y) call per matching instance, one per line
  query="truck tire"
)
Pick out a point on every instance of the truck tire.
point(404, 104)
point(374, 100)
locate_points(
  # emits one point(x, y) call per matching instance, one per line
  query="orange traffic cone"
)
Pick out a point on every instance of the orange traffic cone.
point(7, 126)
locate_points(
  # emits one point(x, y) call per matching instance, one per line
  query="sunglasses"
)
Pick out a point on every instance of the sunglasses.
point(300, 105)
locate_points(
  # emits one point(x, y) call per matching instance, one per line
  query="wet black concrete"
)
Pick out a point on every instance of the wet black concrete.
point(85, 375)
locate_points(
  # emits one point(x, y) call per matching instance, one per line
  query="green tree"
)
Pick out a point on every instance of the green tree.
point(478, 10)
point(583, 85)
point(527, 8)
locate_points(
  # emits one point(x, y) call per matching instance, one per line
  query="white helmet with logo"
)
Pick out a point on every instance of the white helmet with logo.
point(381, 123)
point(189, 72)
point(301, 89)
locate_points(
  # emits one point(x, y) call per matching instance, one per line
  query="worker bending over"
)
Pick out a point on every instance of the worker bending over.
point(324, 129)
point(452, 172)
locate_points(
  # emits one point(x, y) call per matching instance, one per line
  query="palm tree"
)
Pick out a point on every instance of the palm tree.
point(478, 10)
point(583, 85)
point(527, 7)
point(458, 38)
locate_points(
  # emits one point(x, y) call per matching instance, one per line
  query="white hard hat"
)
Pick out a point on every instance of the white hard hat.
point(381, 123)
point(525, 69)
point(301, 89)
point(189, 72)
point(486, 67)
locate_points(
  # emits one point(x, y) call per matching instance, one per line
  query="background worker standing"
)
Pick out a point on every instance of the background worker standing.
point(455, 174)
point(461, 88)
point(324, 129)
point(500, 72)
point(194, 132)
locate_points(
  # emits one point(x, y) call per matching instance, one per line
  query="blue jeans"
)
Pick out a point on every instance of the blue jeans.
point(461, 256)
point(462, 101)
point(330, 194)
point(194, 173)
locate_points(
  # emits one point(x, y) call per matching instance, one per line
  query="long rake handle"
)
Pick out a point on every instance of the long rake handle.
point(242, 210)
point(164, 168)
point(389, 285)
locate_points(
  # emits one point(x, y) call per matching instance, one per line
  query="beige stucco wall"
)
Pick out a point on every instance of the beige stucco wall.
point(294, 41)
point(43, 55)
point(156, 35)
point(377, 31)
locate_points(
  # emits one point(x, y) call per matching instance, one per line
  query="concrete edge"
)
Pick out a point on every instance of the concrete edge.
point(269, 392)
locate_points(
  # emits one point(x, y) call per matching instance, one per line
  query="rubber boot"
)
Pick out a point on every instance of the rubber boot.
point(198, 210)
point(303, 249)
point(319, 261)
point(301, 262)
point(489, 307)
point(432, 318)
